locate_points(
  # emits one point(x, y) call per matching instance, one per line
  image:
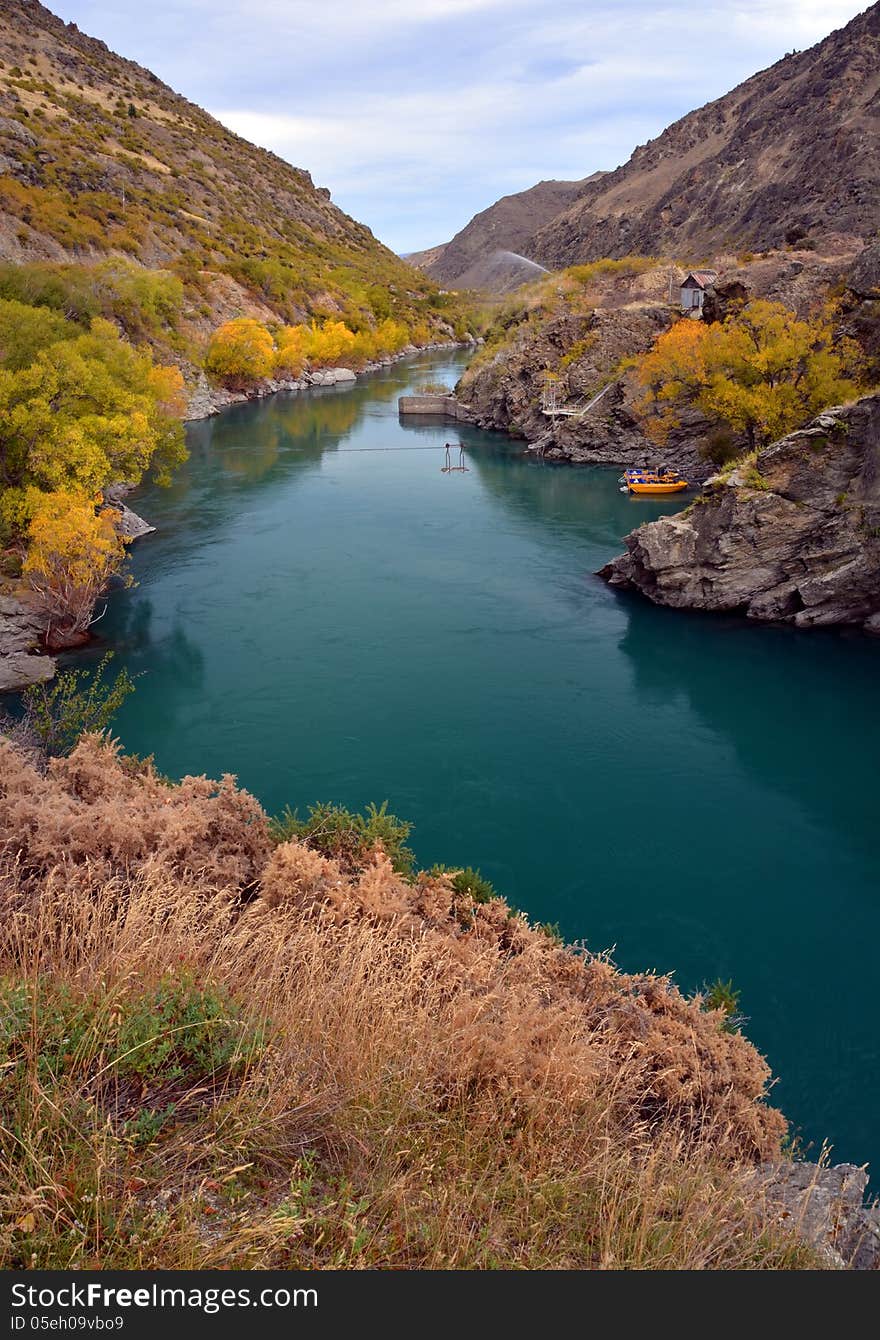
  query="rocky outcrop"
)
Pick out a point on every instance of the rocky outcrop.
point(21, 629)
point(131, 526)
point(792, 536)
point(864, 276)
point(584, 350)
point(826, 1207)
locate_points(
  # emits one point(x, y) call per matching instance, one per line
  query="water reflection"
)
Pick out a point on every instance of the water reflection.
point(772, 693)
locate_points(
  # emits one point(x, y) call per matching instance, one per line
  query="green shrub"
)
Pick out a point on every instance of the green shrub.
point(73, 704)
point(180, 1030)
point(721, 995)
point(469, 881)
point(346, 837)
point(138, 1058)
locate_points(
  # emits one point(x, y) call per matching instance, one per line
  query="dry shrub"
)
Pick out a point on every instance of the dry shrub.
point(441, 1084)
point(96, 815)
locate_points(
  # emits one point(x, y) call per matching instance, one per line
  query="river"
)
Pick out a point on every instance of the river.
point(329, 615)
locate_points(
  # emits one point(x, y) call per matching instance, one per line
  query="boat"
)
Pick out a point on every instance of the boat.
point(652, 483)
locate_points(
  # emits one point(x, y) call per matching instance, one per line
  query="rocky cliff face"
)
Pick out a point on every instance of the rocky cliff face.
point(794, 151)
point(793, 538)
point(585, 339)
point(22, 625)
point(503, 388)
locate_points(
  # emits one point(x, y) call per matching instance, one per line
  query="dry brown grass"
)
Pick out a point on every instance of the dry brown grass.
point(416, 1081)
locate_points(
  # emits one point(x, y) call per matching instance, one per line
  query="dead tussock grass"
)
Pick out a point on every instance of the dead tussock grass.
point(349, 1069)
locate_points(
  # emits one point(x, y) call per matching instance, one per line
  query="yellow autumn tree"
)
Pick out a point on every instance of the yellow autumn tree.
point(763, 372)
point(85, 412)
point(391, 336)
point(327, 345)
point(240, 353)
point(74, 549)
point(290, 351)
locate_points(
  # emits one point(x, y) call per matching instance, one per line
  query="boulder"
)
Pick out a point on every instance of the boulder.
point(132, 526)
point(864, 277)
point(330, 376)
point(22, 626)
point(826, 1207)
point(21, 670)
point(16, 131)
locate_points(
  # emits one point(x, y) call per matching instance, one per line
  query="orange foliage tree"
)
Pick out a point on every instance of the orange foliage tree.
point(74, 550)
point(763, 372)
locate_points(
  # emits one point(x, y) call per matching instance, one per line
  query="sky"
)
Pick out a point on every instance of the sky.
point(418, 113)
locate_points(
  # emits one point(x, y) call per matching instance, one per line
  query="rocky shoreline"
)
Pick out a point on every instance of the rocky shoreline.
point(791, 536)
point(206, 400)
point(506, 392)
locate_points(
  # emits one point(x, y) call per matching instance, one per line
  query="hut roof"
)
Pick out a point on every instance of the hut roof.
point(702, 278)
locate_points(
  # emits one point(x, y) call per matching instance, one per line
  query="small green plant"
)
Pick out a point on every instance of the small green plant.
point(75, 703)
point(753, 479)
point(346, 837)
point(469, 882)
point(179, 1030)
point(434, 388)
point(721, 995)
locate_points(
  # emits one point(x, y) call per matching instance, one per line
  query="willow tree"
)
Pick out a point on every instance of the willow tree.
point(241, 352)
point(83, 413)
point(763, 372)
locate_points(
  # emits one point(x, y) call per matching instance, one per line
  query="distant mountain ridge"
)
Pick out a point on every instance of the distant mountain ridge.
point(791, 153)
point(506, 226)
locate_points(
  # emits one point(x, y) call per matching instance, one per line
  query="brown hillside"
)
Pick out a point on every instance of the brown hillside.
point(792, 152)
point(97, 155)
point(506, 226)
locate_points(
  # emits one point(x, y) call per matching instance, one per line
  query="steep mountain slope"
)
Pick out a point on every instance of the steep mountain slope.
point(794, 151)
point(97, 155)
point(505, 226)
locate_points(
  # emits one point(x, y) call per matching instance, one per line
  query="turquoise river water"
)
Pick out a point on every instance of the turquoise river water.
point(327, 614)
